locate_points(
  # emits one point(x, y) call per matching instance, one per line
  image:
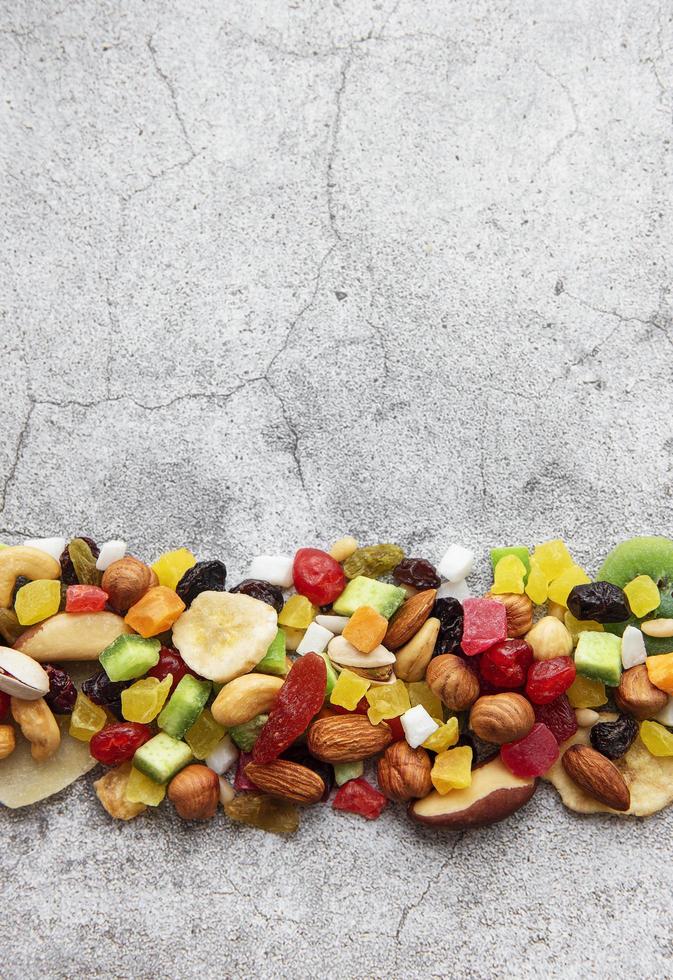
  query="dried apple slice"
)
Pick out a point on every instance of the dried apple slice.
point(71, 636)
point(493, 795)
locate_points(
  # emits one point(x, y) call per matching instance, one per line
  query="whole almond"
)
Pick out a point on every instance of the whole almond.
point(288, 780)
point(454, 683)
point(501, 718)
point(597, 776)
point(637, 695)
point(409, 618)
point(347, 738)
point(126, 581)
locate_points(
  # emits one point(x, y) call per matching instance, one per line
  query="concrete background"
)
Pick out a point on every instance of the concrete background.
point(277, 271)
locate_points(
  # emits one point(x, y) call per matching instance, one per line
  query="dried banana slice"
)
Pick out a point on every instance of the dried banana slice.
point(650, 779)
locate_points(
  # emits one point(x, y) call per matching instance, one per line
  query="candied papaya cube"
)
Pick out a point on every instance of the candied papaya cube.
point(387, 701)
point(348, 690)
point(142, 701)
point(365, 629)
point(510, 574)
point(552, 558)
point(37, 600)
point(452, 769)
point(298, 613)
point(561, 587)
point(585, 693)
point(643, 595)
point(660, 671)
point(445, 736)
point(172, 565)
point(656, 739)
point(155, 612)
point(537, 585)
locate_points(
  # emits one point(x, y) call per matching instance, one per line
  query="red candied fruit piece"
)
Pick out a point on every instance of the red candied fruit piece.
point(559, 717)
point(361, 708)
point(318, 576)
point(170, 662)
point(85, 598)
point(241, 782)
point(505, 664)
point(395, 725)
point(117, 743)
point(484, 623)
point(357, 796)
point(532, 755)
point(299, 699)
point(4, 705)
point(549, 679)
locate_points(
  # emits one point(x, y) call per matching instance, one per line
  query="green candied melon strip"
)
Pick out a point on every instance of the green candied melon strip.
point(651, 556)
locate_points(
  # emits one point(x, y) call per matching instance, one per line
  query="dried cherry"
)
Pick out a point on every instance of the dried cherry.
point(205, 576)
point(559, 717)
point(614, 738)
point(506, 664)
point(4, 705)
point(62, 692)
point(264, 591)
point(548, 679)
point(602, 602)
point(318, 576)
point(449, 612)
point(299, 699)
point(117, 743)
point(417, 572)
point(170, 662)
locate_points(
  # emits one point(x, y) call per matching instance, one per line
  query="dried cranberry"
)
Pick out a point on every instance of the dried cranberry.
point(361, 708)
point(62, 692)
point(559, 717)
point(243, 783)
point(4, 705)
point(505, 664)
point(548, 679)
point(264, 591)
point(170, 662)
point(449, 612)
point(68, 573)
point(318, 576)
point(299, 699)
point(532, 755)
point(357, 796)
point(418, 572)
point(117, 743)
point(108, 694)
point(205, 576)
point(614, 738)
point(301, 755)
point(395, 726)
point(85, 598)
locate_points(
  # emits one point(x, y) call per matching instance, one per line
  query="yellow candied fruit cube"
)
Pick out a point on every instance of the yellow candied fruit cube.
point(445, 736)
point(552, 558)
point(452, 769)
point(204, 735)
point(660, 671)
point(387, 701)
point(510, 574)
point(37, 600)
point(141, 789)
point(86, 719)
point(537, 584)
point(585, 693)
point(656, 739)
point(560, 588)
point(643, 595)
point(577, 626)
point(420, 693)
point(144, 700)
point(349, 689)
point(172, 565)
point(297, 613)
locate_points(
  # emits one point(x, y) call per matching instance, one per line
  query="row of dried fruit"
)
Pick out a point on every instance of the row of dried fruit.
point(463, 701)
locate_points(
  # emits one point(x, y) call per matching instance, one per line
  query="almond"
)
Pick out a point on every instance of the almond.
point(347, 738)
point(501, 718)
point(597, 776)
point(409, 618)
point(287, 779)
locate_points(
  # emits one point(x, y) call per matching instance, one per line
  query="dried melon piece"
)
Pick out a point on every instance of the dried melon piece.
point(650, 779)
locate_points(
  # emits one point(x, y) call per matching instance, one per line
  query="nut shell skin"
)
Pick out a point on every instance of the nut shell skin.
point(126, 581)
point(404, 773)
point(637, 695)
point(519, 612)
point(195, 792)
point(502, 718)
point(453, 681)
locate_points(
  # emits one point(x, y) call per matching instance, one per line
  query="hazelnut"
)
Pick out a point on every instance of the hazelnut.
point(637, 695)
point(454, 683)
point(549, 638)
point(501, 718)
point(195, 792)
point(126, 581)
point(519, 612)
point(404, 773)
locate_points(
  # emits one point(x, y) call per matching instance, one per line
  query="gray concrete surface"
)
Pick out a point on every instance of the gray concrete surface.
point(277, 271)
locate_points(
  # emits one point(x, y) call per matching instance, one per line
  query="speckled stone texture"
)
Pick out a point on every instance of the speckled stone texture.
point(281, 270)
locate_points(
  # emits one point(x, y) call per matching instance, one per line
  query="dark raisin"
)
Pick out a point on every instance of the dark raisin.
point(417, 572)
point(62, 692)
point(68, 573)
point(482, 750)
point(205, 576)
point(301, 755)
point(263, 591)
point(108, 694)
point(614, 738)
point(449, 612)
point(19, 583)
point(602, 602)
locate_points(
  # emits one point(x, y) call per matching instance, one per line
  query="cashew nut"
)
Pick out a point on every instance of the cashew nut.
point(38, 725)
point(245, 697)
point(28, 562)
point(7, 741)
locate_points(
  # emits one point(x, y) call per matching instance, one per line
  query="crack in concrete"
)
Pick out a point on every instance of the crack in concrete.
point(333, 147)
point(172, 93)
point(412, 906)
point(380, 337)
point(558, 145)
point(18, 451)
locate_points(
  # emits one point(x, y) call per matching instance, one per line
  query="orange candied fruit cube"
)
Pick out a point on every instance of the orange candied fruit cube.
point(365, 629)
point(155, 612)
point(660, 671)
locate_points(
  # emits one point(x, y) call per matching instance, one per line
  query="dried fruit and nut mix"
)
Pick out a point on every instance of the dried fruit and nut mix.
point(333, 670)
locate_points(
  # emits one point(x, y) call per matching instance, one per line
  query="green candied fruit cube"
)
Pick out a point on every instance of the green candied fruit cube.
point(599, 657)
point(246, 735)
point(521, 553)
point(363, 591)
point(331, 675)
point(273, 661)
